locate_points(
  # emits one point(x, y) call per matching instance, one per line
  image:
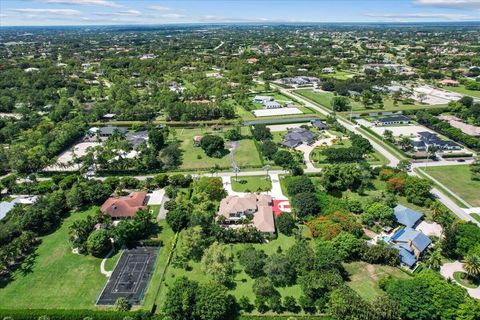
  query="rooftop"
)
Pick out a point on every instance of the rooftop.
point(406, 216)
point(124, 207)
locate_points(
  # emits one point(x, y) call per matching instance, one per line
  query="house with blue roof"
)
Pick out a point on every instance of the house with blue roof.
point(406, 216)
point(411, 245)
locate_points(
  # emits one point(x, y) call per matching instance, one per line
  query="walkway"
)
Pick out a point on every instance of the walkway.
point(231, 156)
point(347, 124)
point(102, 264)
point(275, 192)
point(459, 212)
point(307, 149)
point(448, 269)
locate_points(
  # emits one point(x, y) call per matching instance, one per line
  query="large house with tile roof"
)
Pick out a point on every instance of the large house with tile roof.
point(235, 209)
point(124, 207)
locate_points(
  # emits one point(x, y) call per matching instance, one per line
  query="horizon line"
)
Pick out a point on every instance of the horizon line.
point(251, 23)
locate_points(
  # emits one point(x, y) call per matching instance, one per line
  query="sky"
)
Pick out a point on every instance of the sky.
point(114, 12)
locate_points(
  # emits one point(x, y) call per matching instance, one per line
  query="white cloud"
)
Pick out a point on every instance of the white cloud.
point(126, 13)
point(460, 4)
point(103, 3)
point(441, 16)
point(66, 12)
point(171, 16)
point(160, 8)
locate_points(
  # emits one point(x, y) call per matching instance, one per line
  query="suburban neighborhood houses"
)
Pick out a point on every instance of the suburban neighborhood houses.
point(259, 169)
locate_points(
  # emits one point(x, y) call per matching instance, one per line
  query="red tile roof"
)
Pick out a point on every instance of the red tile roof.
point(124, 207)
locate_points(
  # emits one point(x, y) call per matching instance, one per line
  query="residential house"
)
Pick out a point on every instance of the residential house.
point(431, 139)
point(271, 105)
point(300, 81)
point(107, 131)
point(298, 136)
point(262, 99)
point(137, 138)
point(108, 117)
point(406, 216)
point(319, 124)
point(410, 243)
point(328, 70)
point(258, 208)
point(393, 121)
point(124, 207)
point(7, 206)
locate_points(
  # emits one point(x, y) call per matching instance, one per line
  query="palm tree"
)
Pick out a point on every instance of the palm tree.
point(472, 265)
point(434, 260)
point(436, 209)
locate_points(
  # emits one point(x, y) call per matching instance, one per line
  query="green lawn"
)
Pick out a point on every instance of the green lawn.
point(340, 75)
point(56, 278)
point(462, 90)
point(194, 158)
point(167, 236)
point(242, 282)
point(325, 98)
point(476, 216)
point(462, 278)
point(364, 278)
point(458, 180)
point(251, 184)
point(319, 160)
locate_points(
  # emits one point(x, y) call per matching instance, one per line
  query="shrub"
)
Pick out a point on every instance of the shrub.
point(98, 243)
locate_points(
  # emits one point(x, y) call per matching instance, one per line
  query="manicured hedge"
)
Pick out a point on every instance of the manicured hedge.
point(54, 314)
point(285, 317)
point(457, 155)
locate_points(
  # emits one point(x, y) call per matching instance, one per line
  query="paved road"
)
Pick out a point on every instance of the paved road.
point(347, 124)
point(448, 269)
point(459, 212)
point(466, 204)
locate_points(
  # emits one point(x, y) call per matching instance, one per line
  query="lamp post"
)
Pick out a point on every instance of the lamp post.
point(236, 170)
point(267, 168)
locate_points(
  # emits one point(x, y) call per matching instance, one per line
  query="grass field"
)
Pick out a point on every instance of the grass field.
point(56, 278)
point(462, 90)
point(461, 184)
point(195, 157)
point(167, 237)
point(242, 282)
point(364, 278)
point(325, 98)
point(319, 160)
point(251, 184)
point(340, 75)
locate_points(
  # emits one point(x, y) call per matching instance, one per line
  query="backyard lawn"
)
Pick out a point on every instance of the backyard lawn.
point(55, 277)
point(462, 185)
point(242, 283)
point(167, 236)
point(319, 160)
point(251, 184)
point(364, 278)
point(194, 158)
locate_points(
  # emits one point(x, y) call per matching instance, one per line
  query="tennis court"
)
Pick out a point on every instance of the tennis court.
point(130, 277)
